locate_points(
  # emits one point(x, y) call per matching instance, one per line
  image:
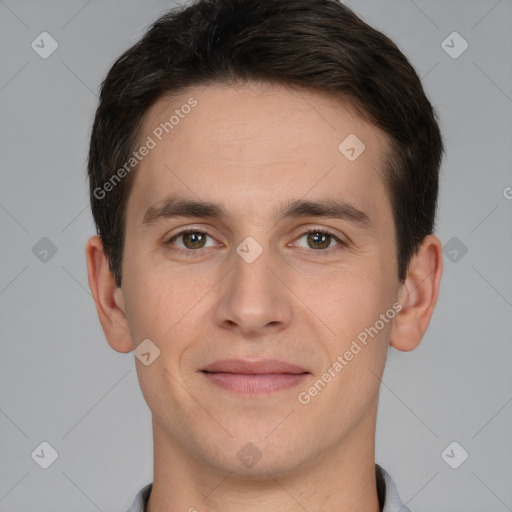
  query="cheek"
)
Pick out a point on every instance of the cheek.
point(350, 302)
point(344, 294)
point(154, 302)
point(166, 305)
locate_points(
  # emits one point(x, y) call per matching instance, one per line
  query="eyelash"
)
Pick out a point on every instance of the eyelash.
point(191, 252)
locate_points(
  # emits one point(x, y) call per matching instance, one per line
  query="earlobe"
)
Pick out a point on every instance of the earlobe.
point(418, 295)
point(108, 298)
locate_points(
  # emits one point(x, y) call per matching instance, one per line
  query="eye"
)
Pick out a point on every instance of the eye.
point(190, 240)
point(320, 240)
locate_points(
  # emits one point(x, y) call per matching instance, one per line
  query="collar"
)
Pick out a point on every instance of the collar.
point(389, 498)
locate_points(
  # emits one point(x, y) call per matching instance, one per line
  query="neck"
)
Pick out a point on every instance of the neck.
point(341, 478)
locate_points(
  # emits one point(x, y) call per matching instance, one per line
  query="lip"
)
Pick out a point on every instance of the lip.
point(254, 377)
point(242, 366)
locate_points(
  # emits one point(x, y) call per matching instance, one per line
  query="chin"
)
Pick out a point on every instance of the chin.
point(258, 459)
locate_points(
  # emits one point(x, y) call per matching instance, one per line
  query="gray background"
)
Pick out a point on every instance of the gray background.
point(61, 382)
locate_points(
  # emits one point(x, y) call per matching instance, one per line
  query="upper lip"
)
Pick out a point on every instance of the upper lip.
point(267, 366)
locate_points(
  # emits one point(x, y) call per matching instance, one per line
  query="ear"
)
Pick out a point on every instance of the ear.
point(108, 298)
point(418, 295)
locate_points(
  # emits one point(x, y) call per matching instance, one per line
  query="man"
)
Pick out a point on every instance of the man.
point(264, 180)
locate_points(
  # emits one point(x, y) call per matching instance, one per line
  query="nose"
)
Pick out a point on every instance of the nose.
point(253, 299)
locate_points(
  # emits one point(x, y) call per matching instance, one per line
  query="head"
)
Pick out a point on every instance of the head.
point(252, 124)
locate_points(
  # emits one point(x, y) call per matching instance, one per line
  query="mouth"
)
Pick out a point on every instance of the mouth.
point(254, 377)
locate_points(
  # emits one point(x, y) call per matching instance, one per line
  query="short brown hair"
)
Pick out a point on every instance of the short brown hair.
point(314, 44)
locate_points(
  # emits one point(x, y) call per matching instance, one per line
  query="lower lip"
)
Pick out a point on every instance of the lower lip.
point(255, 384)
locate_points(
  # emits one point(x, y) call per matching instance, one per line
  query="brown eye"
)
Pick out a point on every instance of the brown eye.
point(318, 240)
point(194, 239)
point(190, 240)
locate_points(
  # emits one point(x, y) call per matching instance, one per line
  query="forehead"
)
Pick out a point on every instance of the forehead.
point(258, 144)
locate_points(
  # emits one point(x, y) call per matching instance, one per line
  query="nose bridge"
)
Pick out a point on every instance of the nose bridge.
point(251, 298)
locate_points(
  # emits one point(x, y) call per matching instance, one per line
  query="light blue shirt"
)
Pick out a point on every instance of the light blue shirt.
point(386, 489)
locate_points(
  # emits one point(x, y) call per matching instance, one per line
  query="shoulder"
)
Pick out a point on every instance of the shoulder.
point(141, 500)
point(388, 492)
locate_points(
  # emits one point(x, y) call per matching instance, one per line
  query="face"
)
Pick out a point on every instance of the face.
point(272, 315)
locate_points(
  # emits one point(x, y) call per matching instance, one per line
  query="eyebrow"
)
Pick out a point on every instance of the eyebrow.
point(327, 208)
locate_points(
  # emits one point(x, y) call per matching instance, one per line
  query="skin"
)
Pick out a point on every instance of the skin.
point(293, 303)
